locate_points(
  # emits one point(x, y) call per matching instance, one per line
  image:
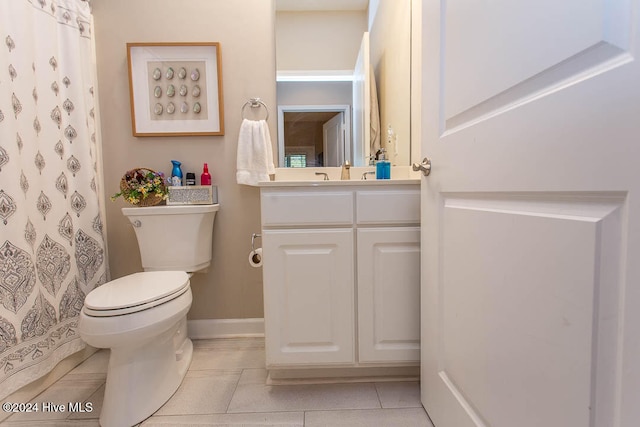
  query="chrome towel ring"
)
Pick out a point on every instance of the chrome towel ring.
point(255, 103)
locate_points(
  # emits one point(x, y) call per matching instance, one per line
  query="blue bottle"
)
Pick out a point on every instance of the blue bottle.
point(176, 173)
point(383, 166)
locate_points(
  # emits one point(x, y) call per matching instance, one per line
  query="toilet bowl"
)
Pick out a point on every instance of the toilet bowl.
point(146, 336)
point(142, 317)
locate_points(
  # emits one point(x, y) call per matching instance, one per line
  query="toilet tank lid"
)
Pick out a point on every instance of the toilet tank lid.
point(170, 210)
point(136, 289)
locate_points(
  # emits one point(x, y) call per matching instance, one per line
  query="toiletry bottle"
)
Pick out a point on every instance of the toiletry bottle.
point(345, 175)
point(383, 166)
point(176, 173)
point(205, 178)
point(191, 178)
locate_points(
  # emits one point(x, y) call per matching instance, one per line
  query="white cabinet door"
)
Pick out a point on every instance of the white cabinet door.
point(309, 296)
point(530, 295)
point(389, 294)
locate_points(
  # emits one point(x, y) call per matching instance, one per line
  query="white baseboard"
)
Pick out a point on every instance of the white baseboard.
point(225, 328)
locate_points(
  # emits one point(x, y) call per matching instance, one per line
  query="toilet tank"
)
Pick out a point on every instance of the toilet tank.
point(174, 237)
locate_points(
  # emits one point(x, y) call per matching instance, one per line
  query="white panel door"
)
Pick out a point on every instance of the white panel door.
point(530, 297)
point(333, 140)
point(389, 294)
point(309, 296)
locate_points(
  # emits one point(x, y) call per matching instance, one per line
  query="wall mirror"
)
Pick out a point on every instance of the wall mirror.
point(349, 56)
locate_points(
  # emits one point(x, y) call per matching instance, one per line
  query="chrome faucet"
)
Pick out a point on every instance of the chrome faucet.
point(326, 176)
point(364, 175)
point(346, 174)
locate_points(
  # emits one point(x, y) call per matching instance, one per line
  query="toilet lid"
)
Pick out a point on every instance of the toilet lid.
point(137, 290)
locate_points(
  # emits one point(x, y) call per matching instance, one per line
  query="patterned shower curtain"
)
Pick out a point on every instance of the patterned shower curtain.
point(52, 250)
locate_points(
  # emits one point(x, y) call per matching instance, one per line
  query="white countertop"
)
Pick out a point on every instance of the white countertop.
point(339, 183)
point(306, 177)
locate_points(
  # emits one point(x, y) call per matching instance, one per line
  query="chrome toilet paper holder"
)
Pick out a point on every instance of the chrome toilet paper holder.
point(254, 236)
point(255, 256)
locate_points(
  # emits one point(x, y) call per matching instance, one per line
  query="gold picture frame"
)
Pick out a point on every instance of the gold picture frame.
point(175, 89)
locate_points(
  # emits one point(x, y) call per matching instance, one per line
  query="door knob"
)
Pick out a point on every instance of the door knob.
point(425, 166)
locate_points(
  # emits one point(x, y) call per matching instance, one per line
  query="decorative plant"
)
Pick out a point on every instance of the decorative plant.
point(138, 184)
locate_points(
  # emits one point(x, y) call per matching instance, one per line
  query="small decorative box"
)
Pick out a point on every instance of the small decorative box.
point(193, 195)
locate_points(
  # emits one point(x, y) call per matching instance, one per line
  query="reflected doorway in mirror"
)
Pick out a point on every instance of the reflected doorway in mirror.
point(314, 135)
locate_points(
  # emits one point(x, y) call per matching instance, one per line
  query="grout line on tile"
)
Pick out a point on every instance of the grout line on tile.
point(99, 404)
point(375, 386)
point(226, 411)
point(84, 401)
point(274, 411)
point(339, 410)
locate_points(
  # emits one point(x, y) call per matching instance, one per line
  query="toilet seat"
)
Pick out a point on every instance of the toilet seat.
point(135, 292)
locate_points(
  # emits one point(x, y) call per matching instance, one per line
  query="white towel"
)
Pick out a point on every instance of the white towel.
point(255, 154)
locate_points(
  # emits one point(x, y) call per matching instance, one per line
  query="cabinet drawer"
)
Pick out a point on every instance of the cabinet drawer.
point(307, 208)
point(388, 207)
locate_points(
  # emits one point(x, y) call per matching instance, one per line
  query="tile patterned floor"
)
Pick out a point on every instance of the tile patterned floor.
point(225, 386)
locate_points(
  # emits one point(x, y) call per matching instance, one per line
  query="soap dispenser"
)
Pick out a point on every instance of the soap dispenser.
point(345, 175)
point(383, 166)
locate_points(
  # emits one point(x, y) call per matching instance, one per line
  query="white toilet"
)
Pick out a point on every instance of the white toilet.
point(142, 317)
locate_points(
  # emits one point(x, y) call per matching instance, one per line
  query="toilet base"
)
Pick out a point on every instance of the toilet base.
point(140, 380)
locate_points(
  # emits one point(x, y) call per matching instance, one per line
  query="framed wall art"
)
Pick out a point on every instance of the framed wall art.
point(175, 89)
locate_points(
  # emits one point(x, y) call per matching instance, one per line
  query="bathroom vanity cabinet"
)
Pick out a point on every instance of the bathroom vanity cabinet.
point(341, 273)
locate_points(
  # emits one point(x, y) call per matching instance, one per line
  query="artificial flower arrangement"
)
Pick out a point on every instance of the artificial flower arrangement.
point(142, 187)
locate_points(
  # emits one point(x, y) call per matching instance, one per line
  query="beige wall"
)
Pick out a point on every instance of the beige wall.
point(245, 30)
point(319, 40)
point(315, 93)
point(390, 50)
